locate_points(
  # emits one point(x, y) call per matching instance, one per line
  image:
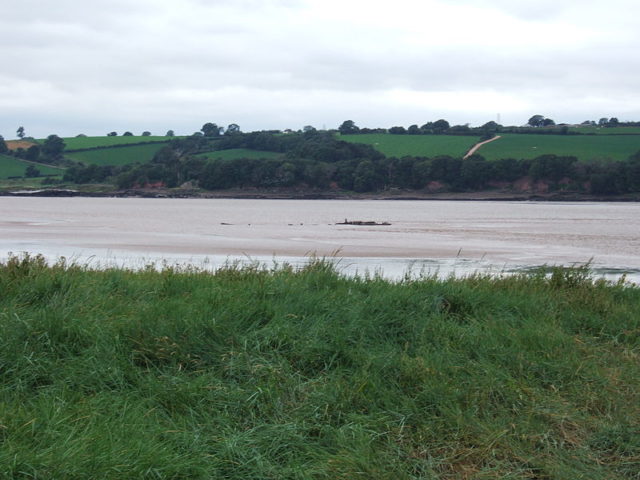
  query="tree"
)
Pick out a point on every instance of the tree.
point(364, 177)
point(232, 129)
point(397, 130)
point(211, 130)
point(31, 172)
point(53, 147)
point(20, 132)
point(440, 126)
point(146, 134)
point(603, 121)
point(413, 130)
point(536, 121)
point(547, 122)
point(33, 153)
point(348, 127)
point(169, 133)
point(3, 145)
point(613, 122)
point(491, 126)
point(308, 129)
point(127, 134)
point(112, 134)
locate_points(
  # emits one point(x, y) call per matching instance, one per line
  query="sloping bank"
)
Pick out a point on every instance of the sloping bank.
point(256, 373)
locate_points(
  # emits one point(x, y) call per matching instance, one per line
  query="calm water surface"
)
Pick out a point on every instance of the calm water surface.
point(447, 237)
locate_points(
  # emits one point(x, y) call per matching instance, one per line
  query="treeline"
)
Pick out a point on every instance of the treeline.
point(359, 168)
point(439, 127)
point(537, 124)
point(442, 127)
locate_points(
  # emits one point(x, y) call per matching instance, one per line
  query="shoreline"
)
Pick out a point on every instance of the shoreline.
point(288, 194)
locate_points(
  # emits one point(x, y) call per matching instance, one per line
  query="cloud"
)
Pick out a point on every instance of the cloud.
point(73, 66)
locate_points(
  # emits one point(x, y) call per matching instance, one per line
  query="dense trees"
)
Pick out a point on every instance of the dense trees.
point(348, 127)
point(3, 145)
point(232, 129)
point(609, 122)
point(31, 171)
point(440, 126)
point(536, 121)
point(540, 121)
point(53, 147)
point(33, 153)
point(211, 130)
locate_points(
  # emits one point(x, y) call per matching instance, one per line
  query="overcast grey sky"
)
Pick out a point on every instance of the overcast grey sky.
point(91, 67)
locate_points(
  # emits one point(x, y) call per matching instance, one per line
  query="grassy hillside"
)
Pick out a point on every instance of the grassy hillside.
point(607, 131)
point(235, 153)
point(415, 145)
point(74, 143)
point(117, 156)
point(13, 167)
point(307, 375)
point(585, 147)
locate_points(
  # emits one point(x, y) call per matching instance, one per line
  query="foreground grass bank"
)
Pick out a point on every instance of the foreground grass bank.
point(260, 374)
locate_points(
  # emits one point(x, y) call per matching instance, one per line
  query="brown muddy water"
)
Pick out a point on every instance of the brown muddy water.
point(428, 236)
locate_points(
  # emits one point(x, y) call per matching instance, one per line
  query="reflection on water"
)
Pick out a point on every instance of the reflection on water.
point(423, 237)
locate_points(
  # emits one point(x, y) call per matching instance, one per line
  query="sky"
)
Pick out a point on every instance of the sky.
point(92, 67)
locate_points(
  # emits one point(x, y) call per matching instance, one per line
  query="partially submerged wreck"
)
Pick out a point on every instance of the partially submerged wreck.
point(362, 223)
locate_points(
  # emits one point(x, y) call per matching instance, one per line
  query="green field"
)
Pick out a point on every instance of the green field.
point(415, 145)
point(584, 147)
point(116, 156)
point(252, 373)
point(74, 143)
point(607, 131)
point(13, 167)
point(235, 153)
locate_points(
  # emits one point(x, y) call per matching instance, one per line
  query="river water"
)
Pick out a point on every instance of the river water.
point(429, 236)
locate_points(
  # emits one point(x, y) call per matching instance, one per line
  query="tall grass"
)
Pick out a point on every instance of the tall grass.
point(304, 374)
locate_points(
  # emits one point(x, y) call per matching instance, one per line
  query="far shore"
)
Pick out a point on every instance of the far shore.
point(298, 194)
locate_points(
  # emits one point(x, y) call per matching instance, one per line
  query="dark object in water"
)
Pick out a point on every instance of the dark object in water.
point(361, 222)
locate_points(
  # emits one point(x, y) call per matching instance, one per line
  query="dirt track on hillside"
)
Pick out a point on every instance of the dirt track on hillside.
point(475, 148)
